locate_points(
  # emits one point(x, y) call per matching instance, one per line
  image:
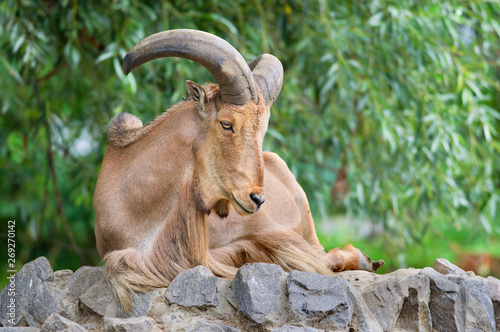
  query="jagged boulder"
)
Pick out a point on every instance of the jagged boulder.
point(494, 288)
point(21, 289)
point(196, 287)
point(135, 324)
point(328, 302)
point(256, 290)
point(56, 322)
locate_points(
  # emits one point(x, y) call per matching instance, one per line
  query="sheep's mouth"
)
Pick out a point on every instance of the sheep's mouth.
point(240, 208)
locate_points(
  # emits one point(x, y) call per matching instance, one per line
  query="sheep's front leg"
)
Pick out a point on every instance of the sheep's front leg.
point(351, 258)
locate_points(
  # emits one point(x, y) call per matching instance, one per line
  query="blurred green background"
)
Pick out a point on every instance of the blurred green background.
point(389, 116)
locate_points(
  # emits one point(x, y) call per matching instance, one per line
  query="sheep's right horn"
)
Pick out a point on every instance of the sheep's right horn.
point(267, 72)
point(222, 60)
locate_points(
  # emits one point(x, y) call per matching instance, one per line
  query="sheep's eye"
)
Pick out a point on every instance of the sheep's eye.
point(227, 126)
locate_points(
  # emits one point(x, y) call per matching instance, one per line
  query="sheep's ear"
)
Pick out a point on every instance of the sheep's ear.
point(197, 94)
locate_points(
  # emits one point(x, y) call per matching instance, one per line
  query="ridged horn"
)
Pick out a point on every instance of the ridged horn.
point(267, 72)
point(222, 60)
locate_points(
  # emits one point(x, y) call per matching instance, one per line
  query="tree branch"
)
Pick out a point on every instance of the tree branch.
point(52, 170)
point(49, 75)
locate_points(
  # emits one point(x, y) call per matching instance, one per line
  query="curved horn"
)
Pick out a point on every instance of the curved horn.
point(267, 72)
point(222, 60)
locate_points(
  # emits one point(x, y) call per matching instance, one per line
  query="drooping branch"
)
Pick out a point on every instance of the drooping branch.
point(52, 172)
point(50, 74)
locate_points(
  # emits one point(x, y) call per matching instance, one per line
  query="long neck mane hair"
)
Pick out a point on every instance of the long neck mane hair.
point(182, 239)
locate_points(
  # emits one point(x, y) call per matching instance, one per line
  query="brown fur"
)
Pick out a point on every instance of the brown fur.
point(159, 184)
point(125, 129)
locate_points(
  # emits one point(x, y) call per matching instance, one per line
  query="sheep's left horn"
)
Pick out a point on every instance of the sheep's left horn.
point(224, 62)
point(267, 72)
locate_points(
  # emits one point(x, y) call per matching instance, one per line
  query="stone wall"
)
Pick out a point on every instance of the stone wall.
point(262, 297)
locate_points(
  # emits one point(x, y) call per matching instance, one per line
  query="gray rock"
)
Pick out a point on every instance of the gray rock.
point(62, 276)
point(141, 304)
point(15, 297)
point(69, 303)
point(196, 287)
point(84, 278)
point(494, 287)
point(256, 290)
point(158, 305)
point(480, 315)
point(90, 326)
point(361, 280)
point(227, 308)
point(136, 324)
point(385, 299)
point(42, 268)
point(99, 297)
point(19, 329)
point(31, 321)
point(45, 302)
point(362, 318)
point(399, 301)
point(175, 320)
point(58, 323)
point(415, 314)
point(207, 326)
point(445, 267)
point(291, 328)
point(320, 298)
point(447, 302)
point(329, 302)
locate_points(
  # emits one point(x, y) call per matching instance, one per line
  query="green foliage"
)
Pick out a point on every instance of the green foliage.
point(402, 95)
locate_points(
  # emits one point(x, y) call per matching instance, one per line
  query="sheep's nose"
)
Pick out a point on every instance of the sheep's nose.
point(257, 199)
